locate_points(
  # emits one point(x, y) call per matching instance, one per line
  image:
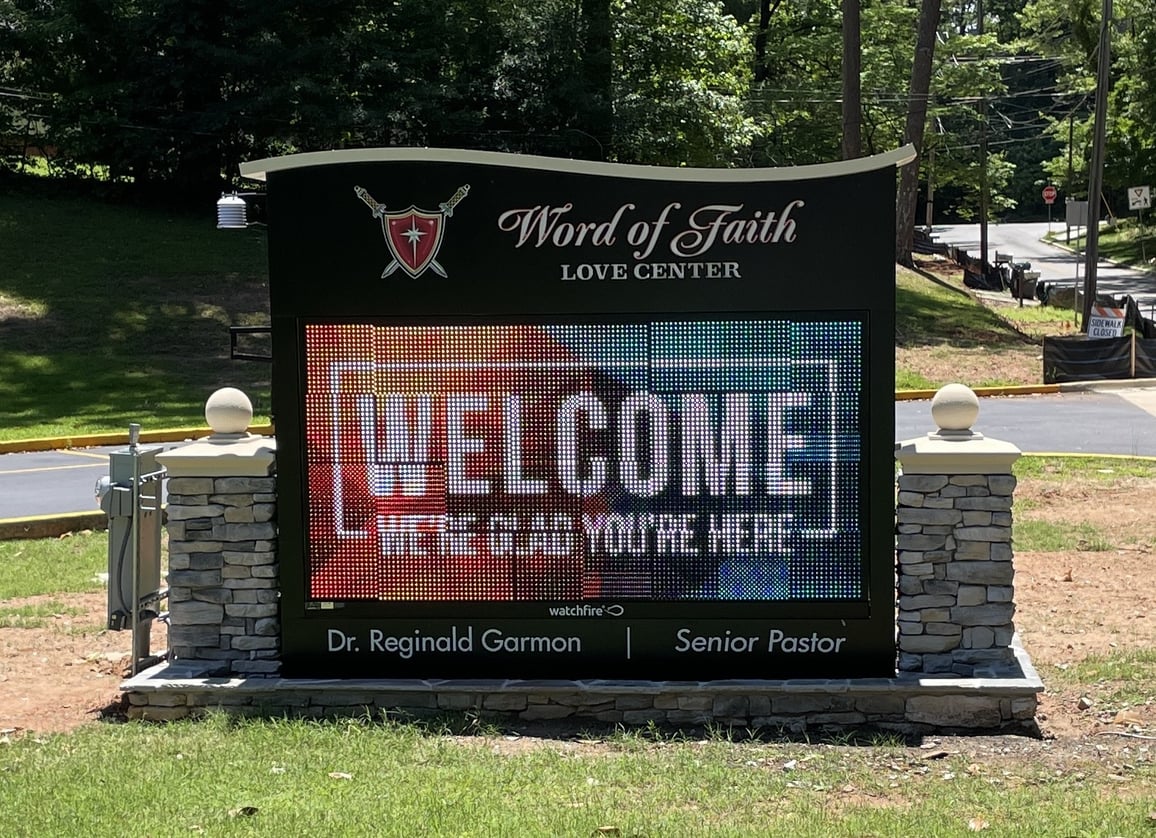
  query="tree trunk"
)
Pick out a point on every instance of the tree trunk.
point(852, 142)
point(597, 117)
point(761, 40)
point(916, 121)
point(766, 10)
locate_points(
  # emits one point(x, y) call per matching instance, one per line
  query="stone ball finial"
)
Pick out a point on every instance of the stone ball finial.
point(228, 411)
point(954, 408)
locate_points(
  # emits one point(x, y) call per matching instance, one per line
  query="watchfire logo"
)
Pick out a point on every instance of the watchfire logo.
point(413, 236)
point(586, 610)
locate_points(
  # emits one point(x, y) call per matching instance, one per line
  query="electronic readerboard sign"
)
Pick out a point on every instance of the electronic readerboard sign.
point(547, 419)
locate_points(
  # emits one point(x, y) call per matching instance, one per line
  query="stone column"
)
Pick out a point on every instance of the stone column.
point(223, 572)
point(954, 546)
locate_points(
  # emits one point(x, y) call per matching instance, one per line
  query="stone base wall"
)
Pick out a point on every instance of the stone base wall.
point(903, 704)
point(955, 573)
point(223, 572)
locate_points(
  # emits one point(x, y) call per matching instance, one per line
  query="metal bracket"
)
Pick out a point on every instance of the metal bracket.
point(235, 333)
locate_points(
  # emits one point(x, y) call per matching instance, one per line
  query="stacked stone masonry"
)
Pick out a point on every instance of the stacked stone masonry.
point(955, 573)
point(223, 573)
point(908, 705)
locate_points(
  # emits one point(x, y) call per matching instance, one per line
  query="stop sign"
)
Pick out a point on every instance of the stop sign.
point(1049, 194)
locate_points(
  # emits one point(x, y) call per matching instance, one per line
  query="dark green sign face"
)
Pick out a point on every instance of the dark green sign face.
point(546, 419)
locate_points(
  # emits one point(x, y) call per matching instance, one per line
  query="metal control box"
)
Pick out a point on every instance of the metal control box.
point(132, 498)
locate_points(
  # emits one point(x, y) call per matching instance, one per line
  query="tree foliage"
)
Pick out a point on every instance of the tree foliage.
point(681, 74)
point(178, 92)
point(1068, 30)
point(170, 95)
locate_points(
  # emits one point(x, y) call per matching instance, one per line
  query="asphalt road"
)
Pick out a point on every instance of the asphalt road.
point(52, 482)
point(1023, 242)
point(1098, 422)
point(1115, 422)
point(1102, 422)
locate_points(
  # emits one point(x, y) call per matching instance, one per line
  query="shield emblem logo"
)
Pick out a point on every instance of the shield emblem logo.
point(413, 237)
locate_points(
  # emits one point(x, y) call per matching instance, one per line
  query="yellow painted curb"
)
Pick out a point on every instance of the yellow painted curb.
point(19, 446)
point(1018, 390)
point(51, 526)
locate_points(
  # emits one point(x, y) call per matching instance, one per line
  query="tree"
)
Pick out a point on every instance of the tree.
point(852, 46)
point(167, 96)
point(795, 99)
point(552, 90)
point(916, 121)
point(681, 74)
point(1068, 31)
point(798, 100)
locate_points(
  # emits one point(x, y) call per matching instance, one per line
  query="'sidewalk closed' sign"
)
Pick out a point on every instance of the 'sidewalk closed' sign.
point(1105, 322)
point(549, 419)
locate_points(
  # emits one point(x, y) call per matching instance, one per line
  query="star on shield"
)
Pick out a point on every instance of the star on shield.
point(414, 238)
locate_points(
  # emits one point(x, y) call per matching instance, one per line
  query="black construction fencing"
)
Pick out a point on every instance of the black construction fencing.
point(1079, 358)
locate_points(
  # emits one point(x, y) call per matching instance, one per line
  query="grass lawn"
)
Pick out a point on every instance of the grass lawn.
point(356, 778)
point(943, 335)
point(111, 315)
point(1126, 242)
point(52, 566)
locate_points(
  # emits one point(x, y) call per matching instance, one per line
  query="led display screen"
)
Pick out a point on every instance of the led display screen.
point(664, 460)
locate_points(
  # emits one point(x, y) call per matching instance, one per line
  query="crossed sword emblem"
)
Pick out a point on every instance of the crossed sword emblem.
point(379, 211)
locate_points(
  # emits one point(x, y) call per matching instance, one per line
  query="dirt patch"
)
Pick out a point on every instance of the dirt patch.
point(67, 670)
point(1011, 366)
point(1096, 600)
point(1073, 605)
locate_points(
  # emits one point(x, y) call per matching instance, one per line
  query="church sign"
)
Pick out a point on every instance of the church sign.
point(542, 418)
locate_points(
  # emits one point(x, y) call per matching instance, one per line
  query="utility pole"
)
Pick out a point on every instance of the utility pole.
point(930, 187)
point(1068, 189)
point(983, 187)
point(1096, 167)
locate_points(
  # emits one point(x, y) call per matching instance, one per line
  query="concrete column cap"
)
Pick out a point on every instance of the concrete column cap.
point(230, 451)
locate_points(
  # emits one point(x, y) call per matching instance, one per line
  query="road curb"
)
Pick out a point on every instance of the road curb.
point(1086, 455)
point(1017, 390)
point(1106, 384)
point(1114, 263)
point(51, 526)
point(24, 446)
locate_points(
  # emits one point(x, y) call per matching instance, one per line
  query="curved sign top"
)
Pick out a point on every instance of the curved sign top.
point(260, 169)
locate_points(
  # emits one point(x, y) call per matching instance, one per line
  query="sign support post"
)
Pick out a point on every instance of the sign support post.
point(1049, 199)
point(1140, 199)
